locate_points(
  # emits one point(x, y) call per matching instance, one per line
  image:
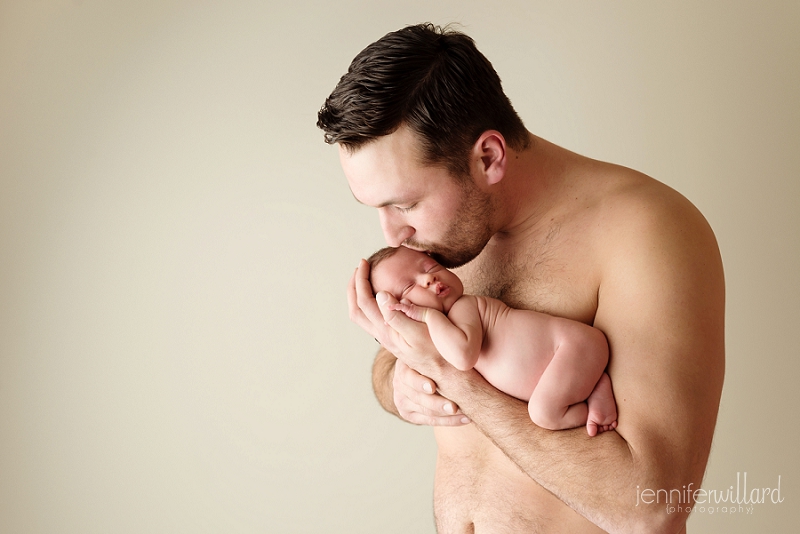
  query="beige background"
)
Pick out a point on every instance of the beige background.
point(175, 240)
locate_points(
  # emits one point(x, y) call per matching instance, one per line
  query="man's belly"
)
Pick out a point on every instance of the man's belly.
point(478, 489)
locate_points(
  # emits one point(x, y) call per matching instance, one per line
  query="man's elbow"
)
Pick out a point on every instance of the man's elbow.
point(661, 520)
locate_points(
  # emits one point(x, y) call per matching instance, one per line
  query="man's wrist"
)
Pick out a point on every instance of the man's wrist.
point(462, 387)
point(382, 378)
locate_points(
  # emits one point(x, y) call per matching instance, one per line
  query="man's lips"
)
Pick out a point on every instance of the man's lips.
point(418, 249)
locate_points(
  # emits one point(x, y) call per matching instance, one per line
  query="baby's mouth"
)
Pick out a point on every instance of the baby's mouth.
point(442, 290)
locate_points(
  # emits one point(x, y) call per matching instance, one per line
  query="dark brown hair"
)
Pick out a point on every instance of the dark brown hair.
point(432, 79)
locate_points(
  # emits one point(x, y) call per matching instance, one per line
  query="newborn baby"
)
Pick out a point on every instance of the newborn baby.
point(556, 364)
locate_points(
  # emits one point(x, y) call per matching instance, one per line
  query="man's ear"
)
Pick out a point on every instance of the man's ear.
point(489, 154)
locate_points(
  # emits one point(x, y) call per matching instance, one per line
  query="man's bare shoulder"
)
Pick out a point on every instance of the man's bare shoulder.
point(631, 207)
point(657, 255)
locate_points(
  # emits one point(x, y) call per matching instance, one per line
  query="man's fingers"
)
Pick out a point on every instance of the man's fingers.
point(356, 313)
point(385, 303)
point(352, 300)
point(417, 402)
point(429, 410)
point(364, 310)
point(411, 383)
point(427, 386)
point(411, 331)
point(451, 420)
point(433, 405)
point(393, 329)
point(364, 296)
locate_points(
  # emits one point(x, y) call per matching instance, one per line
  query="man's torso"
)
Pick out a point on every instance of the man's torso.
point(555, 269)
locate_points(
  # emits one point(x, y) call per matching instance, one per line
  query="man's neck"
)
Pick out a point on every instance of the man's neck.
point(533, 187)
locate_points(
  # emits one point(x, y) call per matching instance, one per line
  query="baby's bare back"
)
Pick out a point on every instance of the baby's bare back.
point(517, 346)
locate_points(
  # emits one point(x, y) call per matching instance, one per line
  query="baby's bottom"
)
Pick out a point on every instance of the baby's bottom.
point(558, 401)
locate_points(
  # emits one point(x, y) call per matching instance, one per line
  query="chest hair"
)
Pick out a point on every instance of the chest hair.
point(526, 277)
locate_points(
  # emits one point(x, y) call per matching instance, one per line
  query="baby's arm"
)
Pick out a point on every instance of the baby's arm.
point(457, 336)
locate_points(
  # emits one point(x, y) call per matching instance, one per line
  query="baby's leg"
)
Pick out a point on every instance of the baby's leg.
point(559, 399)
point(602, 408)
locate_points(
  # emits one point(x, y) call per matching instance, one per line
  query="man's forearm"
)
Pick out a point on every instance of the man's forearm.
point(382, 373)
point(595, 476)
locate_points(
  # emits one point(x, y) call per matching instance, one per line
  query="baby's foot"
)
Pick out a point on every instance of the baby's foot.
point(602, 408)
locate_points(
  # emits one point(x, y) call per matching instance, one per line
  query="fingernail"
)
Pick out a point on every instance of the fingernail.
point(427, 387)
point(465, 420)
point(449, 408)
point(381, 297)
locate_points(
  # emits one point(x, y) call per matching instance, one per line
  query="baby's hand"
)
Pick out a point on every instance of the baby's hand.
point(412, 311)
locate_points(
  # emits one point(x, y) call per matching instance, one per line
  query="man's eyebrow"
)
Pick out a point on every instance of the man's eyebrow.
point(381, 205)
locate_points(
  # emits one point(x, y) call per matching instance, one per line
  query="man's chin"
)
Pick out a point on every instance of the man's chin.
point(454, 259)
point(447, 257)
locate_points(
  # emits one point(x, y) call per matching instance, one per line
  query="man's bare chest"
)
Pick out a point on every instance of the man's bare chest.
point(559, 279)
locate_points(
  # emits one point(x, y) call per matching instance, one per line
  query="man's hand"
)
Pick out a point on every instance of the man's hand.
point(403, 337)
point(414, 395)
point(417, 402)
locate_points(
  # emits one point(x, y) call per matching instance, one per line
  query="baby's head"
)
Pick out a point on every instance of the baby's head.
point(415, 277)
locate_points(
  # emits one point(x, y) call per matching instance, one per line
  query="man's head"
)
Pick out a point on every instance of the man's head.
point(411, 276)
point(424, 207)
point(432, 80)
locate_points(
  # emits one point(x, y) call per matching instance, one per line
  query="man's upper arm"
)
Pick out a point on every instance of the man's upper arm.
point(661, 305)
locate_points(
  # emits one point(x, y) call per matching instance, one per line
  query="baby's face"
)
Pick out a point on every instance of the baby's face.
point(416, 278)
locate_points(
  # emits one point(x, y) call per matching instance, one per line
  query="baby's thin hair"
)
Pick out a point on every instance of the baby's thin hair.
point(378, 256)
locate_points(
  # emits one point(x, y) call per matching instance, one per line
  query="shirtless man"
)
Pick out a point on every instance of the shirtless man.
point(554, 364)
point(427, 137)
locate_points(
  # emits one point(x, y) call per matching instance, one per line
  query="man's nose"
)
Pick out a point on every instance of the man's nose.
point(394, 232)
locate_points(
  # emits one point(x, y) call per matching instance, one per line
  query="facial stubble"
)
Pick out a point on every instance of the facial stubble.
point(469, 232)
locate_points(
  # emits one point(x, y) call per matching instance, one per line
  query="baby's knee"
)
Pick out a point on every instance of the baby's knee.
point(542, 416)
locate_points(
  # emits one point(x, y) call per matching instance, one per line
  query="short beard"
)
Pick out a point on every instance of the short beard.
point(468, 234)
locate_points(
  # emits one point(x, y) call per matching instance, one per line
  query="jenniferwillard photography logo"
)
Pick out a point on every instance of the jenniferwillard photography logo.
point(732, 500)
